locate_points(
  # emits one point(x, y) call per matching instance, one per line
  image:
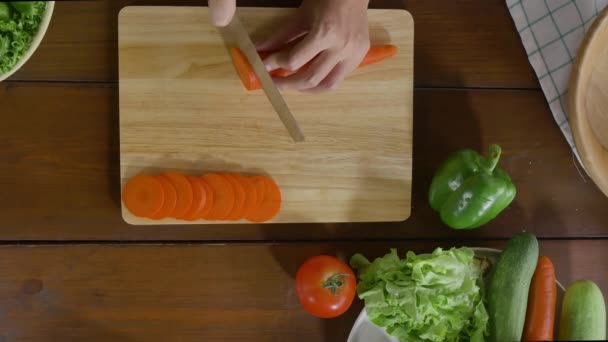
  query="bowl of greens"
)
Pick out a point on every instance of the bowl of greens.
point(424, 297)
point(22, 27)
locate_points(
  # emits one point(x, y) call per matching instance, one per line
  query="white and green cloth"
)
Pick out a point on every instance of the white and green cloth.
point(552, 31)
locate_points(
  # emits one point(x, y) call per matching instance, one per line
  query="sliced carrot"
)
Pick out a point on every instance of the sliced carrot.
point(223, 196)
point(143, 195)
point(270, 205)
point(170, 199)
point(184, 191)
point(375, 54)
point(540, 315)
point(204, 214)
point(251, 197)
point(237, 212)
point(199, 197)
point(260, 189)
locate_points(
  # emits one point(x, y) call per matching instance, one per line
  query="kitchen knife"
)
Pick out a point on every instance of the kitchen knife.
point(240, 37)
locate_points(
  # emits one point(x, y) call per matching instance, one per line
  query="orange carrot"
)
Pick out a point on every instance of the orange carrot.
point(170, 199)
point(271, 200)
point(199, 197)
point(239, 199)
point(540, 315)
point(250, 81)
point(204, 214)
point(143, 195)
point(223, 196)
point(184, 193)
point(251, 197)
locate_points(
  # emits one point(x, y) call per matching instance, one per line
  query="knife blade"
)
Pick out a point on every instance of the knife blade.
point(240, 37)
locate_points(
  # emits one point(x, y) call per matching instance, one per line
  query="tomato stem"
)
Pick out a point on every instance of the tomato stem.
point(335, 282)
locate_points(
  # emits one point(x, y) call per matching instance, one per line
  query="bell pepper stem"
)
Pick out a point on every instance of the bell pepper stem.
point(489, 163)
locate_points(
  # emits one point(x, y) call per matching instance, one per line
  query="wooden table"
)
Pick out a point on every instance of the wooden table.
point(72, 269)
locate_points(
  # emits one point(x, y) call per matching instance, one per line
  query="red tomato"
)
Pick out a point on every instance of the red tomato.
point(326, 286)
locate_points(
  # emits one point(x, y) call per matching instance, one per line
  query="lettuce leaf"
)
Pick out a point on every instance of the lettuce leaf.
point(426, 297)
point(17, 33)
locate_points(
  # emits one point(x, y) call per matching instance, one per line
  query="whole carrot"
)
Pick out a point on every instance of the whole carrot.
point(540, 315)
point(375, 54)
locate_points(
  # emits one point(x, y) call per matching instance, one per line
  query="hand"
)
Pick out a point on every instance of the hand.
point(335, 40)
point(222, 11)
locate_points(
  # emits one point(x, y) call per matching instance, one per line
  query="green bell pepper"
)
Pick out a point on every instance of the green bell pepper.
point(470, 190)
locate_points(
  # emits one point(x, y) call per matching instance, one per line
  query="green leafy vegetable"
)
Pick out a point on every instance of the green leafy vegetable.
point(426, 297)
point(18, 31)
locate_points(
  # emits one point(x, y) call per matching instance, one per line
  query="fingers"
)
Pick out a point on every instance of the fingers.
point(292, 30)
point(319, 69)
point(300, 54)
point(333, 79)
point(222, 11)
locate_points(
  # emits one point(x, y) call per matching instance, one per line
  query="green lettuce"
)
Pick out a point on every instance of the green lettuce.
point(17, 33)
point(426, 297)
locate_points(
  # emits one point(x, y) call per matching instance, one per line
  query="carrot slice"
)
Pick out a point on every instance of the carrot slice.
point(375, 54)
point(199, 197)
point(260, 187)
point(170, 199)
point(251, 196)
point(185, 194)
point(204, 214)
point(271, 201)
point(223, 196)
point(237, 212)
point(143, 195)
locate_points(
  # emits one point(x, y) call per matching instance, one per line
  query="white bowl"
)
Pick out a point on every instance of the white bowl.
point(44, 25)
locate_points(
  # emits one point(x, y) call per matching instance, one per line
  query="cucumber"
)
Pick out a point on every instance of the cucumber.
point(507, 295)
point(583, 316)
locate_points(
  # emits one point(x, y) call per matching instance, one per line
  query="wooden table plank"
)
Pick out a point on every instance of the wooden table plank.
point(455, 46)
point(59, 171)
point(199, 293)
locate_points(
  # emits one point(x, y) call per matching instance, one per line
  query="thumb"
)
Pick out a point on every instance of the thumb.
point(222, 11)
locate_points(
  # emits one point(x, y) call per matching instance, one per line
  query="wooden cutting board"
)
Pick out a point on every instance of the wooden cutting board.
point(182, 107)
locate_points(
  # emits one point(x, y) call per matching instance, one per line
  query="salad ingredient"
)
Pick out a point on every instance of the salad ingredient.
point(5, 12)
point(540, 315)
point(185, 194)
point(143, 195)
point(199, 198)
point(170, 199)
point(223, 196)
point(251, 197)
point(251, 82)
point(508, 288)
point(269, 203)
point(425, 297)
point(19, 23)
point(237, 212)
point(325, 286)
point(470, 190)
point(213, 196)
point(583, 316)
point(204, 214)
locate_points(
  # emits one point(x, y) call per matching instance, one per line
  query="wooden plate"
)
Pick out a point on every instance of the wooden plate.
point(588, 102)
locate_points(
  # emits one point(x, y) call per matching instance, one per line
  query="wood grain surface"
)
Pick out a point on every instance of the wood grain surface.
point(454, 45)
point(199, 293)
point(184, 108)
point(59, 170)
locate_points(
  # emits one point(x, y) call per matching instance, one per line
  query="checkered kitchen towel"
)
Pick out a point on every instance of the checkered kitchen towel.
point(552, 31)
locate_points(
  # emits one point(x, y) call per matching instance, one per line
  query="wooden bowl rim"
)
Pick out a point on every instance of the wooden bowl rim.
point(592, 154)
